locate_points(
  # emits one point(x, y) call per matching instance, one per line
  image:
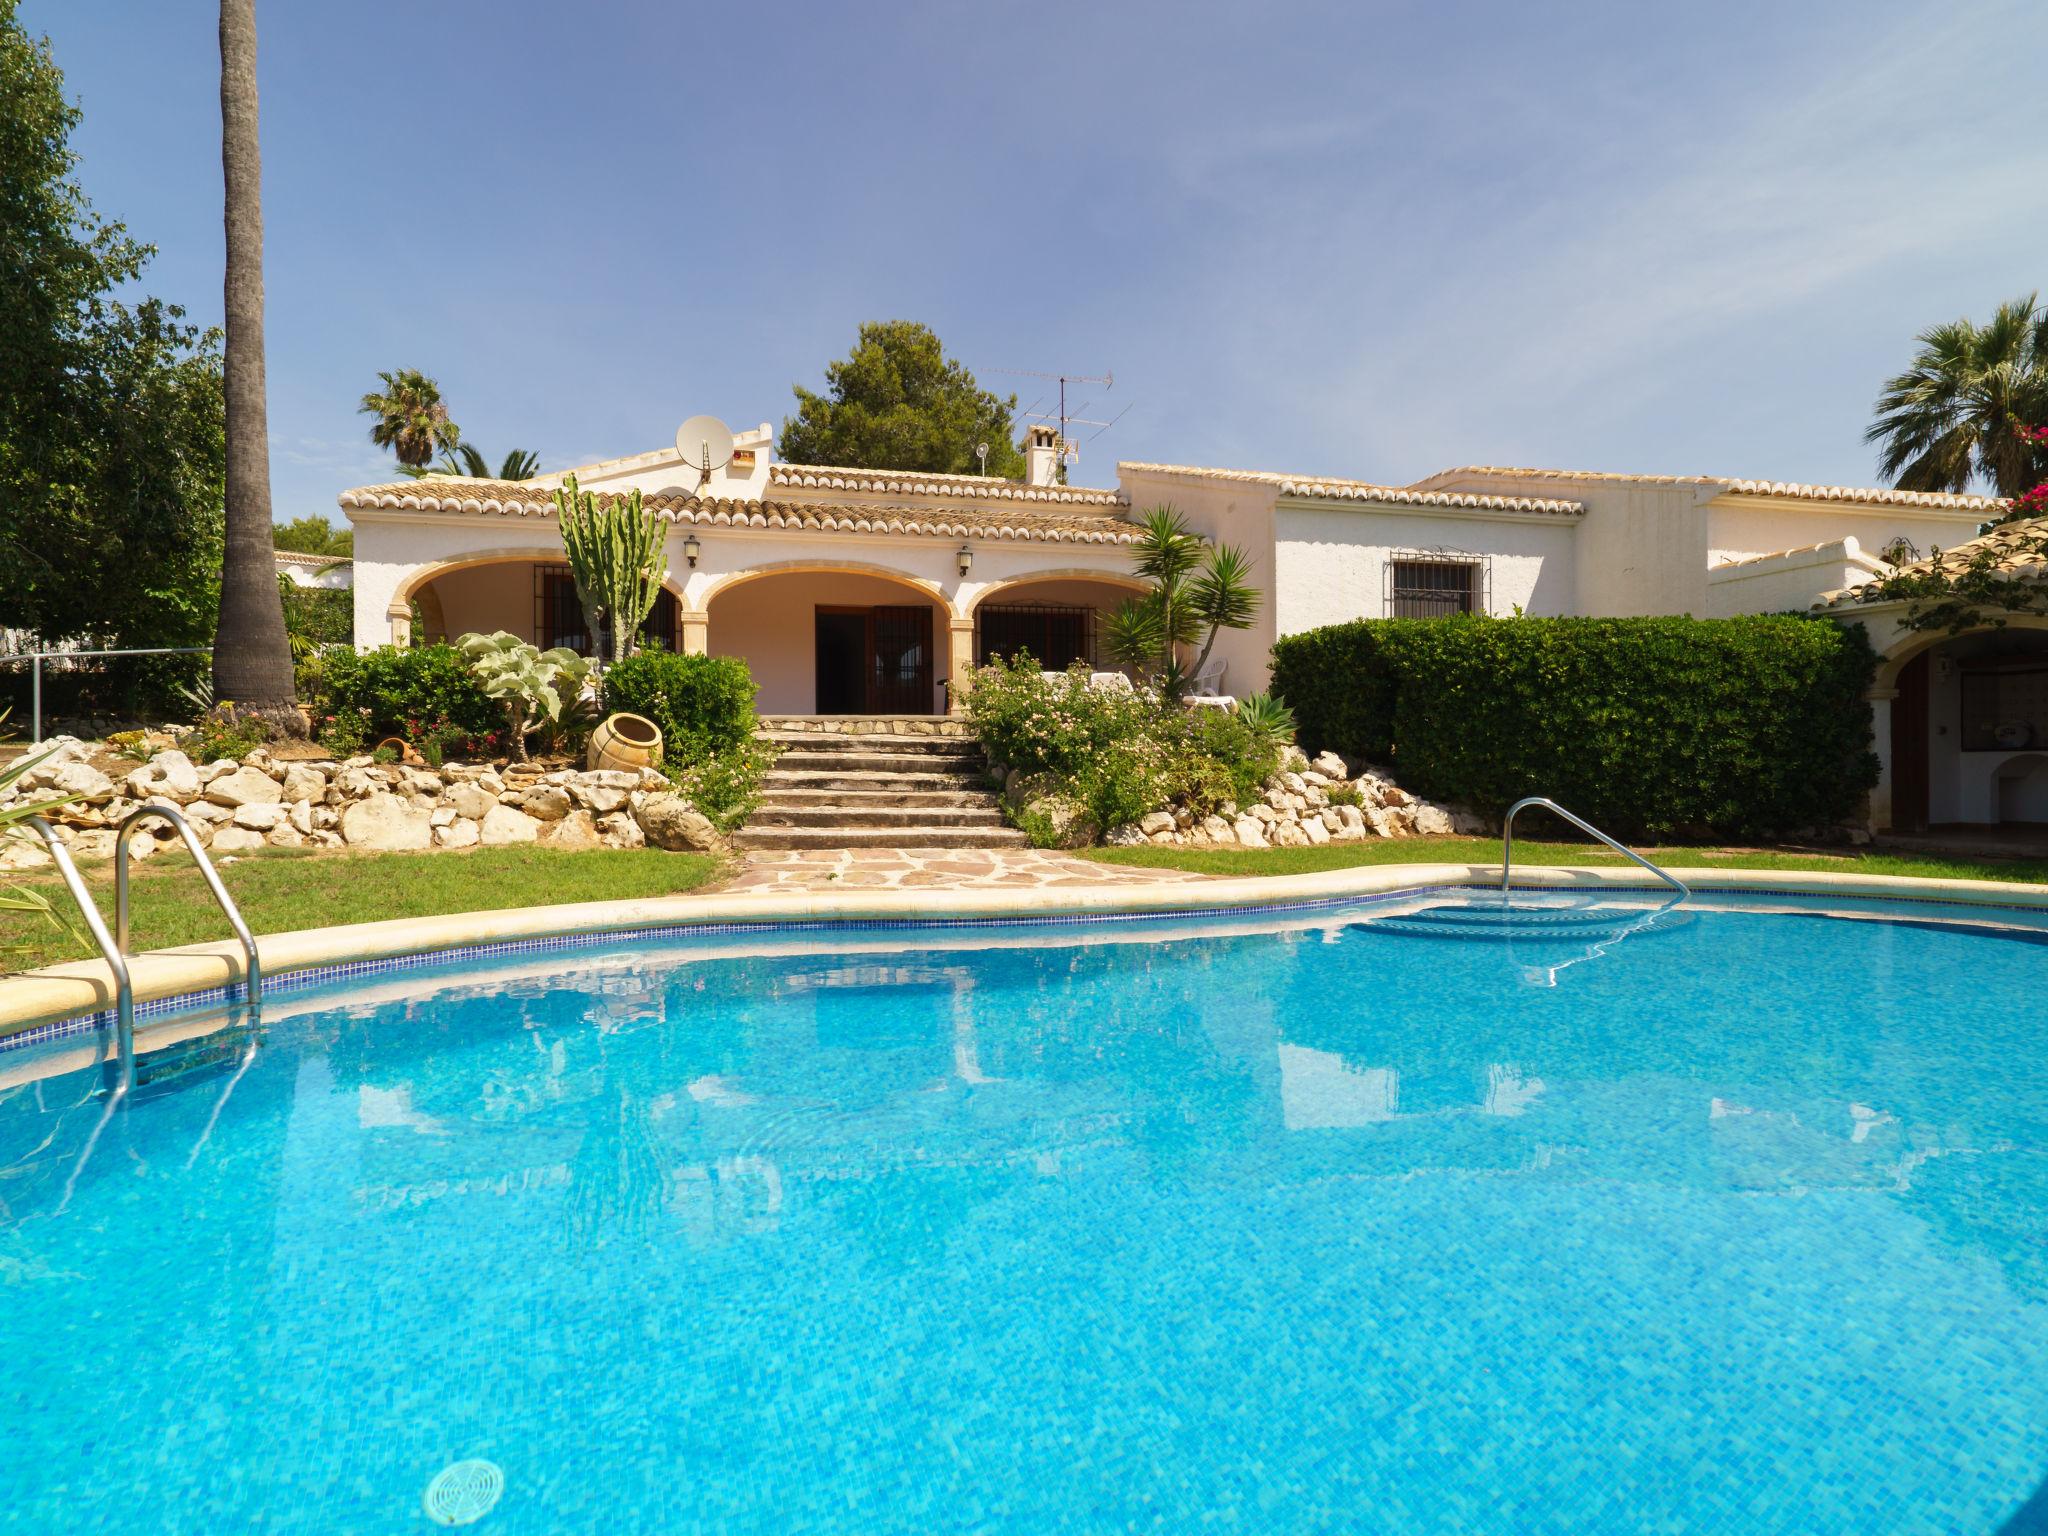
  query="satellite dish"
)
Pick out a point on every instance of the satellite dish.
point(705, 443)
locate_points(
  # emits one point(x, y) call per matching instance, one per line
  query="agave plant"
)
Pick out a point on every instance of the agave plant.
point(14, 827)
point(529, 682)
point(1268, 718)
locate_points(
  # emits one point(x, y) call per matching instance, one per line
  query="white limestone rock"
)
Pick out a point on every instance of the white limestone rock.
point(243, 786)
point(1155, 823)
point(620, 830)
point(1330, 765)
point(302, 783)
point(502, 825)
point(548, 803)
point(1130, 835)
point(459, 833)
point(1251, 832)
point(382, 822)
point(669, 821)
point(471, 801)
point(1432, 821)
point(236, 840)
point(578, 829)
point(258, 817)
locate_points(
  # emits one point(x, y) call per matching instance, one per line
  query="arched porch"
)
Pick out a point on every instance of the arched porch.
point(1963, 730)
point(1056, 616)
point(832, 638)
point(529, 593)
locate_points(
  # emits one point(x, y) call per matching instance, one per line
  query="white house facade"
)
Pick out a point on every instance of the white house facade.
point(856, 591)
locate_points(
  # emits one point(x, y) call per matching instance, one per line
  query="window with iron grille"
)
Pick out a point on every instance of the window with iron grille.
point(1435, 586)
point(558, 611)
point(558, 614)
point(1056, 637)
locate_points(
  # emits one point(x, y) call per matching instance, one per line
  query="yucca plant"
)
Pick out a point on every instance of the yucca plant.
point(529, 682)
point(1198, 591)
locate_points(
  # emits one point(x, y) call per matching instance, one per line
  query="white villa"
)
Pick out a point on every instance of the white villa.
point(857, 591)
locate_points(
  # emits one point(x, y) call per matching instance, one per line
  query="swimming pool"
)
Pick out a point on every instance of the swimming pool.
point(1362, 1218)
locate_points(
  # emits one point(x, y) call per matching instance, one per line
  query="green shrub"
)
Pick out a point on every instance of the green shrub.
point(1121, 753)
point(407, 692)
point(704, 705)
point(1646, 727)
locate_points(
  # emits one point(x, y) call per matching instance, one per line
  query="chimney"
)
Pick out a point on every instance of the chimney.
point(1041, 455)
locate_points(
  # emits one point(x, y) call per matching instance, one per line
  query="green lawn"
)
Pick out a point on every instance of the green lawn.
point(1479, 850)
point(280, 890)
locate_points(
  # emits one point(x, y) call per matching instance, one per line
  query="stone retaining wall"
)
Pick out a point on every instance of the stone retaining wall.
point(1295, 811)
point(258, 802)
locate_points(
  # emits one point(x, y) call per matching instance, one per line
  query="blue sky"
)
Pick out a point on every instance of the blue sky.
point(1367, 239)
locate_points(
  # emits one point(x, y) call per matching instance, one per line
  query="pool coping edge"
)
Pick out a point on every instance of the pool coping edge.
point(80, 988)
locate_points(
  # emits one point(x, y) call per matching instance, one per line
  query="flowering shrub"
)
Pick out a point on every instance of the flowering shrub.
point(1120, 753)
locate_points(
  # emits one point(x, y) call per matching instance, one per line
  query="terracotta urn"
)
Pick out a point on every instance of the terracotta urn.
point(625, 741)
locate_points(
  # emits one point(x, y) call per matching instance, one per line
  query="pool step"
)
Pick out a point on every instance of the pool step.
point(1541, 925)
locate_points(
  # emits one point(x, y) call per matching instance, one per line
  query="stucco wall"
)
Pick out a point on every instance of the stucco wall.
point(1332, 563)
point(771, 624)
point(485, 598)
point(1786, 583)
point(1741, 526)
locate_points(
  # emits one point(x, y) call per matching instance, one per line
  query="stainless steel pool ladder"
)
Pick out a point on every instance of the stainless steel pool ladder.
point(120, 1073)
point(1507, 842)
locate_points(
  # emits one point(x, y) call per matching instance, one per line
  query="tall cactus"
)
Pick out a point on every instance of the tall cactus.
point(618, 554)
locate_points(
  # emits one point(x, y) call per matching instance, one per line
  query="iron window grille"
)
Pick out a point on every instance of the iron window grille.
point(1434, 584)
point(558, 614)
point(1056, 636)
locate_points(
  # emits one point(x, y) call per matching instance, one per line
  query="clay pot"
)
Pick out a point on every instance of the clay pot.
point(625, 741)
point(407, 753)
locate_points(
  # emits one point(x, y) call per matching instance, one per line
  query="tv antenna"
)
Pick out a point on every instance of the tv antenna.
point(705, 443)
point(1069, 450)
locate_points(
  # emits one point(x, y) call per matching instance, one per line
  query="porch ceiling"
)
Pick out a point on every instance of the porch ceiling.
point(448, 495)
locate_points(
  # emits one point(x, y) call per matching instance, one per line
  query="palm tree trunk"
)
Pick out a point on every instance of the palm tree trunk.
point(252, 660)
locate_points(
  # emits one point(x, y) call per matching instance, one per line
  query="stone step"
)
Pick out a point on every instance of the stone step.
point(868, 725)
point(879, 800)
point(870, 816)
point(777, 780)
point(876, 762)
point(752, 836)
point(930, 746)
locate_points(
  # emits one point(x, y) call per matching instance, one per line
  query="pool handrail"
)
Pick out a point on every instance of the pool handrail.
point(119, 1077)
point(252, 975)
point(1507, 842)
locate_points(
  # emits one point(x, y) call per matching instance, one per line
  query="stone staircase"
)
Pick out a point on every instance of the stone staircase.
point(868, 782)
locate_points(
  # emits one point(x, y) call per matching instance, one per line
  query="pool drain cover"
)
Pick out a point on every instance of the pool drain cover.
point(464, 1493)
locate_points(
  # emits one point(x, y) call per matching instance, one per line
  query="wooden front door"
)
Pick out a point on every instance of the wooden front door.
point(875, 661)
point(1909, 748)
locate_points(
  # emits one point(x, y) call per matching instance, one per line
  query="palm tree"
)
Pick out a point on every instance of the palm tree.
point(411, 420)
point(252, 659)
point(465, 460)
point(1963, 407)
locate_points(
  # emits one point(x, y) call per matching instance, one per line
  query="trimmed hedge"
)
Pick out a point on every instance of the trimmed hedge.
point(403, 688)
point(703, 704)
point(1646, 727)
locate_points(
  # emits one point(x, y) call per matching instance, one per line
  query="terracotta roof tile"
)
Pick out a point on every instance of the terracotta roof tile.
point(1325, 489)
point(905, 482)
point(517, 498)
point(2016, 550)
point(1784, 489)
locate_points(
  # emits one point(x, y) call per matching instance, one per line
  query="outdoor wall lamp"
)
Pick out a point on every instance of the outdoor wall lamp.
point(966, 561)
point(691, 550)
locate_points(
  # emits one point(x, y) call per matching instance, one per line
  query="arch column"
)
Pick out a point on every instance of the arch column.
point(693, 632)
point(1880, 802)
point(960, 650)
point(400, 615)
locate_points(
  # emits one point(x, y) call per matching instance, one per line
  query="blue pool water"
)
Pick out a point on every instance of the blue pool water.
point(1736, 1223)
